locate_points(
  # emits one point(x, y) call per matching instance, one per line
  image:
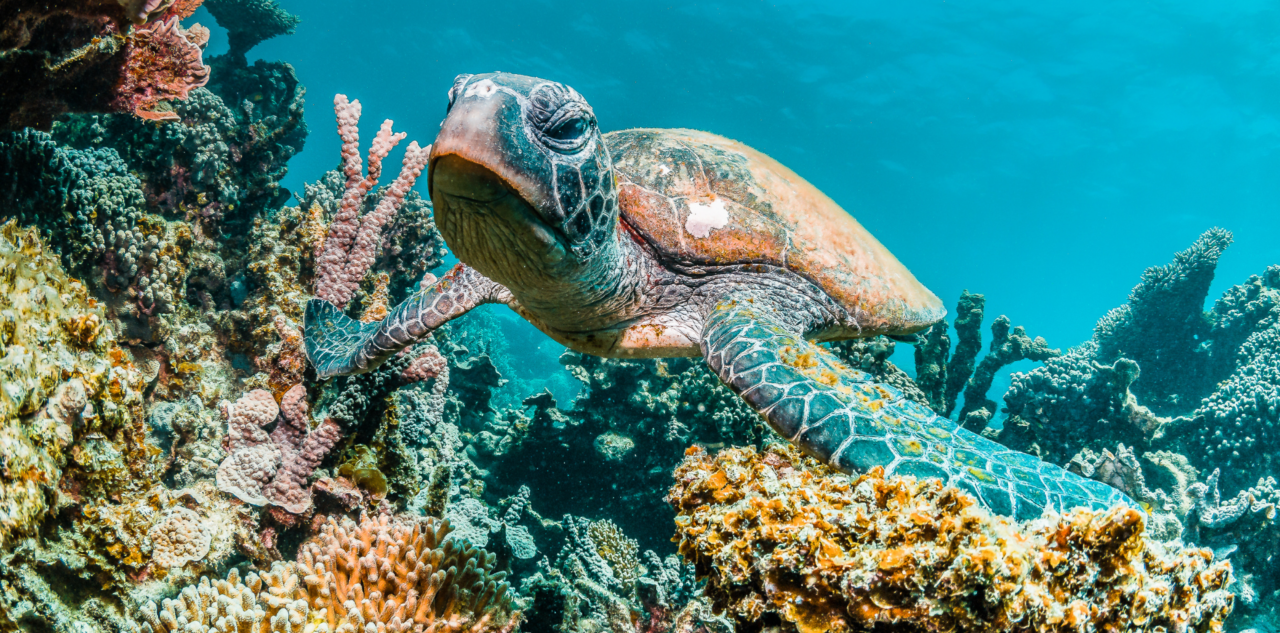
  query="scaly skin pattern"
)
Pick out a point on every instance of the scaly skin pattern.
point(338, 345)
point(840, 416)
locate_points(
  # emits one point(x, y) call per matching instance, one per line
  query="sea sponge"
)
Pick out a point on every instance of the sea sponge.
point(783, 540)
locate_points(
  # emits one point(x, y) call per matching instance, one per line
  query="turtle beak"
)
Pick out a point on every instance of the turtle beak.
point(484, 128)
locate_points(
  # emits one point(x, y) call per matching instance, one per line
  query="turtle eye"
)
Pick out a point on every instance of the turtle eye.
point(561, 117)
point(459, 83)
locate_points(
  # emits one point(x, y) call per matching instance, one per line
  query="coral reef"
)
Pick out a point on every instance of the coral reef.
point(597, 583)
point(260, 468)
point(383, 573)
point(785, 543)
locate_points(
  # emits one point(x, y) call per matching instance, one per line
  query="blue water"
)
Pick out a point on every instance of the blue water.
point(1042, 153)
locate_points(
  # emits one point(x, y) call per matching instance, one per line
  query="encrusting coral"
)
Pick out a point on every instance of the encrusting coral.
point(383, 574)
point(784, 541)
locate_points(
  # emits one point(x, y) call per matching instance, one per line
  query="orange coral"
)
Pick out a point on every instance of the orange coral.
point(781, 538)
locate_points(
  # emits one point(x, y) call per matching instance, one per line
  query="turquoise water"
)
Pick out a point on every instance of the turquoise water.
point(1040, 153)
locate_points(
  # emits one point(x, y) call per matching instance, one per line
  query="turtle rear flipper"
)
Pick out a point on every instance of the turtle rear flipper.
point(839, 415)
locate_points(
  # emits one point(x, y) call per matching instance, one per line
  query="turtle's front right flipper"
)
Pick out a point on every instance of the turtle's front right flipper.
point(337, 344)
point(842, 417)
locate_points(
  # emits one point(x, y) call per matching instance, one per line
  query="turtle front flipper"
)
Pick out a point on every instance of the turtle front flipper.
point(842, 417)
point(337, 344)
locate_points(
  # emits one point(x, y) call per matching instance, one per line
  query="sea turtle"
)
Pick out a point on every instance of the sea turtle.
point(673, 242)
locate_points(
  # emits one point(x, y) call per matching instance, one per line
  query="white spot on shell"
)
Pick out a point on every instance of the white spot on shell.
point(664, 170)
point(484, 88)
point(704, 217)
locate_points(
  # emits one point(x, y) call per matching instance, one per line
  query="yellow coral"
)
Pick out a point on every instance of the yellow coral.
point(617, 549)
point(54, 361)
point(782, 538)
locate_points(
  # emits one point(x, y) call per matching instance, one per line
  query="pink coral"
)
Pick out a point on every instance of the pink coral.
point(428, 364)
point(161, 64)
point(252, 458)
point(301, 451)
point(349, 249)
point(261, 469)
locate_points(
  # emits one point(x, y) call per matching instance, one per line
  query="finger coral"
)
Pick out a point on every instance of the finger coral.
point(382, 574)
point(782, 540)
point(353, 240)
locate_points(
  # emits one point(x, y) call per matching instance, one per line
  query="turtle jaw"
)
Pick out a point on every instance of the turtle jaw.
point(489, 226)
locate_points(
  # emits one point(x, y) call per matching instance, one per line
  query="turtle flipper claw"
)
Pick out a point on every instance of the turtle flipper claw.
point(841, 416)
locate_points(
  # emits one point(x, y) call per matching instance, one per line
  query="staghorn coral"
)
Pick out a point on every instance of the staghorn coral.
point(783, 541)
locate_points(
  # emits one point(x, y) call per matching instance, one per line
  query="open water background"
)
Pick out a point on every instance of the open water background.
point(1043, 153)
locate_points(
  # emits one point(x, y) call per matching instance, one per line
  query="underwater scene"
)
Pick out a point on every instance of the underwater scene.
point(632, 317)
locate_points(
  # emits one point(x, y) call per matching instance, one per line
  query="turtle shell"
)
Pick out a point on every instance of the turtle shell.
point(702, 200)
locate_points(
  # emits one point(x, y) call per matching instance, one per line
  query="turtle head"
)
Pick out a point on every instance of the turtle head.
point(519, 165)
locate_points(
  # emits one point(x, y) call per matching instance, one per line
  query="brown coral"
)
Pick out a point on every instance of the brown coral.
point(780, 538)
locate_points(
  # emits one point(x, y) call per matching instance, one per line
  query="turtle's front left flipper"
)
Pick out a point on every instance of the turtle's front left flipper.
point(842, 417)
point(337, 344)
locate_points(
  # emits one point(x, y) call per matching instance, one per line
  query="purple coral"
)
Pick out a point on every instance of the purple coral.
point(351, 244)
point(301, 451)
point(263, 469)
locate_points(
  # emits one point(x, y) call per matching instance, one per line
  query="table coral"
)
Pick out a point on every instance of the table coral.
point(782, 540)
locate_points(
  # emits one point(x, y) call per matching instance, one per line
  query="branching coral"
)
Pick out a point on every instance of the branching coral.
point(382, 574)
point(587, 591)
point(407, 577)
point(781, 540)
point(352, 242)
